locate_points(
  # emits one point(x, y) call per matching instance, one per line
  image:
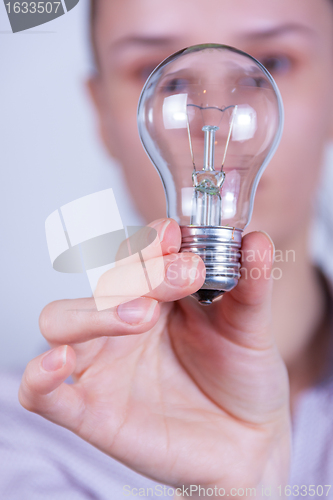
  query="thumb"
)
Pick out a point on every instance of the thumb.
point(246, 310)
point(229, 349)
point(43, 389)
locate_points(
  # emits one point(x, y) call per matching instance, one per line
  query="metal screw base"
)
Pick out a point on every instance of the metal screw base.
point(219, 249)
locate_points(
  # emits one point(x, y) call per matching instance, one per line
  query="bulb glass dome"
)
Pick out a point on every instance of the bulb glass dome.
point(210, 118)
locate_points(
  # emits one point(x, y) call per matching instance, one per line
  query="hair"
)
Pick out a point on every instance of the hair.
point(92, 19)
point(92, 12)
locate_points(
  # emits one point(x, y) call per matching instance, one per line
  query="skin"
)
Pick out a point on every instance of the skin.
point(195, 395)
point(300, 57)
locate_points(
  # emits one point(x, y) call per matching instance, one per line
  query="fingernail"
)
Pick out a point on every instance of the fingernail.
point(271, 242)
point(55, 359)
point(161, 228)
point(183, 273)
point(137, 311)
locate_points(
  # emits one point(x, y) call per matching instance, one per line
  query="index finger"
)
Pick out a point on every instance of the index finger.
point(74, 321)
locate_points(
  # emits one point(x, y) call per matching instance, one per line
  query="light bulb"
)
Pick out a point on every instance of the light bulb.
point(210, 118)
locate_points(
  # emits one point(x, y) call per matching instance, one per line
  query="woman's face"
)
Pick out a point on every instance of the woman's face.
point(293, 39)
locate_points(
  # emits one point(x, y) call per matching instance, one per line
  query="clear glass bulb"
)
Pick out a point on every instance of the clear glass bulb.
point(210, 118)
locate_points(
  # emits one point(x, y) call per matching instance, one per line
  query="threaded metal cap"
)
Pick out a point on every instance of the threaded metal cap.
point(219, 249)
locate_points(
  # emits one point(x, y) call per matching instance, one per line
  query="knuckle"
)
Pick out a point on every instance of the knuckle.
point(24, 398)
point(45, 319)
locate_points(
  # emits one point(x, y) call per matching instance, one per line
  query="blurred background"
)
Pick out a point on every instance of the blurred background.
point(50, 155)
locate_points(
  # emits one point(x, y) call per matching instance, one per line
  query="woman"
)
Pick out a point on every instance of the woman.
point(179, 393)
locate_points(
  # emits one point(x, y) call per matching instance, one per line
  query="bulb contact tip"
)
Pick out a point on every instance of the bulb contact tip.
point(206, 297)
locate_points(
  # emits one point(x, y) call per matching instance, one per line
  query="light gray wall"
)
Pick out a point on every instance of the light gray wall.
point(50, 155)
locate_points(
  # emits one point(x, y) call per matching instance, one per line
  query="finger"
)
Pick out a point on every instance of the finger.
point(184, 274)
point(43, 390)
point(75, 321)
point(161, 237)
point(246, 310)
point(165, 279)
point(139, 268)
point(169, 235)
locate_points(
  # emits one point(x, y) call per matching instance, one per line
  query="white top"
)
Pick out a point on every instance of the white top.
point(42, 461)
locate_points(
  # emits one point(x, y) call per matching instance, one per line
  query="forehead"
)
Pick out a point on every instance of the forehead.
point(188, 22)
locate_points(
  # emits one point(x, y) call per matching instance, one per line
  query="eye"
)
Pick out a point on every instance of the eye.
point(144, 72)
point(175, 85)
point(278, 65)
point(251, 81)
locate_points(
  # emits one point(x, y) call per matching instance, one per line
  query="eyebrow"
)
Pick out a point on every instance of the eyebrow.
point(142, 40)
point(276, 31)
point(163, 41)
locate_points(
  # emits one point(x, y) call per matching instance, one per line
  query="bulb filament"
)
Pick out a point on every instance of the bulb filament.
point(207, 202)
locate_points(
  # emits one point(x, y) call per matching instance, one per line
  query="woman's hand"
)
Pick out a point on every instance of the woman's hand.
point(182, 393)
